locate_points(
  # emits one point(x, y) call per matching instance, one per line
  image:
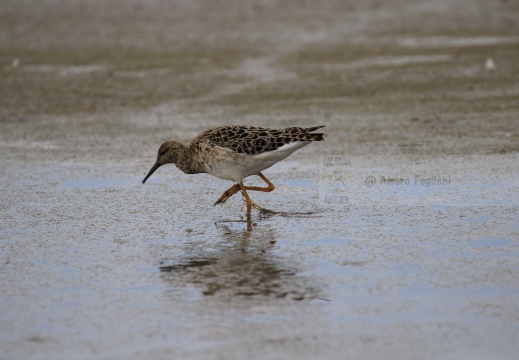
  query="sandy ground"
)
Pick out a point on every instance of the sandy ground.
point(398, 237)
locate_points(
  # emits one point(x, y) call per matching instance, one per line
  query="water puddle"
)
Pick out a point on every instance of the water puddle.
point(445, 41)
point(64, 70)
point(384, 61)
point(491, 242)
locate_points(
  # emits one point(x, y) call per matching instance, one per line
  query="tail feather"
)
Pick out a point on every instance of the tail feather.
point(315, 136)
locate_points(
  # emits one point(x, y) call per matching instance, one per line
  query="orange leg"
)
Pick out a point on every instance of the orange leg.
point(227, 194)
point(237, 187)
point(248, 201)
point(269, 188)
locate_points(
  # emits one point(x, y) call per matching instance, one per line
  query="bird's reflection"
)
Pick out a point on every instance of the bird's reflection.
point(244, 264)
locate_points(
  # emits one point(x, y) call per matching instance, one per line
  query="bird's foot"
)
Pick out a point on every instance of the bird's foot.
point(260, 208)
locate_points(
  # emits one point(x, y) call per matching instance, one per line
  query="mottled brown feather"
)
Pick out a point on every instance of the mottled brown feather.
point(253, 140)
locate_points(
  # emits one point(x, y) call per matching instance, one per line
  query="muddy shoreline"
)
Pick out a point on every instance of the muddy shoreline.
point(386, 262)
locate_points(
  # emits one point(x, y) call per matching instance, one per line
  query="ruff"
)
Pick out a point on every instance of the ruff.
point(234, 153)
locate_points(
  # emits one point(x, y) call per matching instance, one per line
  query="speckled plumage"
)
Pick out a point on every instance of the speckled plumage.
point(235, 152)
point(252, 140)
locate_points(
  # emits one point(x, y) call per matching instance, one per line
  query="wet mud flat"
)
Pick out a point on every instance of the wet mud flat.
point(396, 238)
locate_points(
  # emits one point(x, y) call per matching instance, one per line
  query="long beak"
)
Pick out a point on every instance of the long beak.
point(155, 167)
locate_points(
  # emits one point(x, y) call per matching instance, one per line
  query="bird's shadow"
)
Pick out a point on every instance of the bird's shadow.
point(242, 263)
point(266, 215)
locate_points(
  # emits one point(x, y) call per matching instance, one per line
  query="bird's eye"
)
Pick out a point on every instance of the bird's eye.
point(162, 153)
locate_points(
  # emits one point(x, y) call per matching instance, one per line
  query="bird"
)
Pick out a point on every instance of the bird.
point(234, 153)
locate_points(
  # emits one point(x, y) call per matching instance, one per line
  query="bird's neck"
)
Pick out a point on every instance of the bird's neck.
point(188, 161)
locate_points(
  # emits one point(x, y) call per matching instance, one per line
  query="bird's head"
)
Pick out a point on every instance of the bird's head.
point(168, 153)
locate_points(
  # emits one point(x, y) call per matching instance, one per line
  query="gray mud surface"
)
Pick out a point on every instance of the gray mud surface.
point(399, 235)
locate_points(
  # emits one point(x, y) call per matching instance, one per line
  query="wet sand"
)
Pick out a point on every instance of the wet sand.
point(398, 236)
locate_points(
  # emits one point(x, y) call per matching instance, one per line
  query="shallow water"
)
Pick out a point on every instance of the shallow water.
point(100, 261)
point(395, 238)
